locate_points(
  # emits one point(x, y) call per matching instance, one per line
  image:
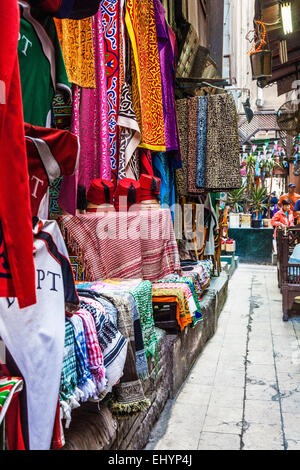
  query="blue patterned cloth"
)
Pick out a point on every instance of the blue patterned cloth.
point(84, 376)
point(201, 142)
point(163, 169)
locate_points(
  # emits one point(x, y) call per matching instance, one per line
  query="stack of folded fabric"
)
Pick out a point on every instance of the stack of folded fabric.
point(128, 396)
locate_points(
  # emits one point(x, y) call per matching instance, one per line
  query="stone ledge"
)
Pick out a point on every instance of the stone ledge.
point(94, 429)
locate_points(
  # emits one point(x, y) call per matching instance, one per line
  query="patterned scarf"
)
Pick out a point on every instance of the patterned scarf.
point(222, 157)
point(76, 40)
point(116, 288)
point(128, 398)
point(192, 144)
point(181, 175)
point(201, 142)
point(68, 383)
point(130, 137)
point(9, 386)
point(146, 79)
point(84, 376)
point(94, 352)
point(106, 330)
point(184, 317)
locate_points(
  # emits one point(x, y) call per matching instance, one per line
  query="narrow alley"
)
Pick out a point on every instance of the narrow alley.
point(243, 392)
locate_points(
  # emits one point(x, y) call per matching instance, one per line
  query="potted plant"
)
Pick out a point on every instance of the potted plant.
point(235, 199)
point(256, 200)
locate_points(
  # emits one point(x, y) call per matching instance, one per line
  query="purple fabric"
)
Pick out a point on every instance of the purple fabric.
point(166, 57)
point(90, 123)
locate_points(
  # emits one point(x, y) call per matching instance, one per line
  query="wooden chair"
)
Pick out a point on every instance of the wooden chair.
point(288, 274)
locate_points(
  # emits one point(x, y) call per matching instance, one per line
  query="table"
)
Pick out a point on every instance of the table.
point(253, 245)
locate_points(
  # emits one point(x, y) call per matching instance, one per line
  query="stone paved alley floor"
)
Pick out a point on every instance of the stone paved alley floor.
point(244, 389)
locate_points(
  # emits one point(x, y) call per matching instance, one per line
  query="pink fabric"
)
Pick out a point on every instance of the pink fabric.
point(90, 122)
point(94, 352)
point(124, 245)
point(68, 192)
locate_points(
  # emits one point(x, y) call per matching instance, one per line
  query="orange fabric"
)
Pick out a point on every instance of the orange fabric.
point(281, 218)
point(293, 197)
point(182, 321)
point(76, 40)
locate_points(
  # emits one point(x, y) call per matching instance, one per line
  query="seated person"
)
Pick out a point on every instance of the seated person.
point(284, 217)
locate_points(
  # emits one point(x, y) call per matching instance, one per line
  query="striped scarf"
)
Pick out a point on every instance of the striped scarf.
point(8, 387)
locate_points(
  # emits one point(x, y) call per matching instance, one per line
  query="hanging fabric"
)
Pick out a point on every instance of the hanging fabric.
point(130, 137)
point(193, 119)
point(223, 152)
point(76, 40)
point(42, 67)
point(16, 257)
point(167, 72)
point(182, 174)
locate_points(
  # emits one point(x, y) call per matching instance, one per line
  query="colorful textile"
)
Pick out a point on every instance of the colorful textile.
point(125, 245)
point(15, 217)
point(184, 316)
point(195, 289)
point(68, 382)
point(223, 152)
point(141, 330)
point(165, 171)
point(183, 119)
point(51, 153)
point(145, 161)
point(94, 127)
point(129, 398)
point(167, 72)
point(106, 330)
point(13, 428)
point(8, 387)
point(111, 21)
point(114, 361)
point(42, 67)
point(142, 295)
point(76, 40)
point(35, 336)
point(146, 83)
point(84, 376)
point(192, 145)
point(130, 137)
point(95, 356)
point(201, 142)
point(91, 124)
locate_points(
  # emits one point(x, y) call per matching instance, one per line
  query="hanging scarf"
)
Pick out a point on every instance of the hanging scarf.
point(76, 40)
point(90, 123)
point(164, 171)
point(95, 356)
point(223, 152)
point(130, 137)
point(84, 376)
point(201, 142)
point(167, 72)
point(182, 174)
point(146, 79)
point(193, 115)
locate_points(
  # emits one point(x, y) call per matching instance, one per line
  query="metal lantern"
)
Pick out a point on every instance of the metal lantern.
point(261, 64)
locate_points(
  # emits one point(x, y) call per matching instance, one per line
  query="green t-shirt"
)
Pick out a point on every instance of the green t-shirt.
point(42, 67)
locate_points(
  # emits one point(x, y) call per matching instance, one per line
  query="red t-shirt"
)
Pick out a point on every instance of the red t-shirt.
point(51, 153)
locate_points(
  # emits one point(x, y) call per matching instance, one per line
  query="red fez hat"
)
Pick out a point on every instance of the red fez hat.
point(130, 189)
point(150, 187)
point(100, 192)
